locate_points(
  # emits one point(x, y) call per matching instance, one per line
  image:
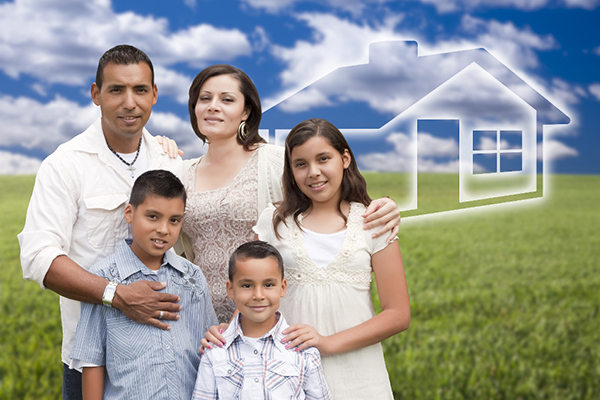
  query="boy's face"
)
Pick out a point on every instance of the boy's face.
point(257, 289)
point(155, 226)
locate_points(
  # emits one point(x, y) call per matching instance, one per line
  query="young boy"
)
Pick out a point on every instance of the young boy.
point(254, 363)
point(125, 359)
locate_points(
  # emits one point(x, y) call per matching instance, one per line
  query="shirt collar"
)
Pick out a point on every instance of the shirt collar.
point(130, 264)
point(234, 332)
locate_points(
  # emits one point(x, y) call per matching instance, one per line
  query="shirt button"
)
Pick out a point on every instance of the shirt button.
point(255, 351)
point(256, 380)
point(168, 347)
point(228, 372)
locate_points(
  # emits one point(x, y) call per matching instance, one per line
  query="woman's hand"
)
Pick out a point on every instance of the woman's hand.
point(299, 337)
point(169, 146)
point(384, 212)
point(213, 336)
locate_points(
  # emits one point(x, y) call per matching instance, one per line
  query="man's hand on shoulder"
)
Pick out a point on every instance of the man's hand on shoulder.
point(142, 302)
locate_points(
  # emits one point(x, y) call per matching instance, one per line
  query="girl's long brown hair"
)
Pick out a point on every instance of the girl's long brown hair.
point(354, 187)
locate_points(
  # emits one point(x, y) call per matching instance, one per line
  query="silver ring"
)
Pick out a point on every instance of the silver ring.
point(160, 316)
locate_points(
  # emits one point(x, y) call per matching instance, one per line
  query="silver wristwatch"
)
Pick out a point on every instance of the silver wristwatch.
point(109, 294)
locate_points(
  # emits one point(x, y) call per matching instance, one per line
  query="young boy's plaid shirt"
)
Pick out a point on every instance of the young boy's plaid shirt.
point(266, 370)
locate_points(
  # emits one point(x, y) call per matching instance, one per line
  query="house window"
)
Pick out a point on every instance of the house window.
point(497, 151)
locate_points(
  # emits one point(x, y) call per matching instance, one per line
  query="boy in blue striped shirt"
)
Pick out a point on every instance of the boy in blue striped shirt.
point(254, 363)
point(125, 359)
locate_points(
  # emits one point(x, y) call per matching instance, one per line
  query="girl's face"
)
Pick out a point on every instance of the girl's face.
point(318, 170)
point(220, 108)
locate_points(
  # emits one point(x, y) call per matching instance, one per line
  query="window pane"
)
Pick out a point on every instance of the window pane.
point(484, 163)
point(510, 162)
point(484, 140)
point(511, 140)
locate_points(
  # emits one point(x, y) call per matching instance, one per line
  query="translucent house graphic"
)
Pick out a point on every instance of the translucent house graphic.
point(462, 113)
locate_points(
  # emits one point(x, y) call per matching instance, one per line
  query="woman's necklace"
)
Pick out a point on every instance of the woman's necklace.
point(130, 166)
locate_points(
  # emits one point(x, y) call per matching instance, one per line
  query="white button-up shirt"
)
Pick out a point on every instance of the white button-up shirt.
point(76, 209)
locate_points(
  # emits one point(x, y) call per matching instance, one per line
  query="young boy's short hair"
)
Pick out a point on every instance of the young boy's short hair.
point(159, 183)
point(254, 250)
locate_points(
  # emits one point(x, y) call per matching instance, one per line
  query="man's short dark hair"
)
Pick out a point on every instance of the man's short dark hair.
point(257, 250)
point(122, 54)
point(159, 183)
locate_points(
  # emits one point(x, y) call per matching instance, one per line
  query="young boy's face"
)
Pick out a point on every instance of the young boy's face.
point(257, 289)
point(155, 226)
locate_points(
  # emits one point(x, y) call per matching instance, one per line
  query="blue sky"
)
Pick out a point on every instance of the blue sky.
point(49, 52)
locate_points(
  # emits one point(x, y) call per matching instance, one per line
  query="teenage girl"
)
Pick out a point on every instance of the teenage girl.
point(329, 259)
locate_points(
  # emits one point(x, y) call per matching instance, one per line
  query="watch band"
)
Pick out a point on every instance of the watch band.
point(109, 294)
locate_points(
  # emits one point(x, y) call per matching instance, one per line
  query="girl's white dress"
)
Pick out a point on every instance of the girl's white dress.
point(332, 299)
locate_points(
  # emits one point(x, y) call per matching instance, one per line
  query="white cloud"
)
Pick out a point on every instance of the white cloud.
point(355, 7)
point(447, 6)
point(61, 41)
point(586, 4)
point(556, 150)
point(172, 84)
point(172, 126)
point(17, 164)
point(335, 42)
point(486, 143)
point(190, 3)
point(594, 89)
point(34, 125)
point(515, 47)
point(400, 159)
point(431, 146)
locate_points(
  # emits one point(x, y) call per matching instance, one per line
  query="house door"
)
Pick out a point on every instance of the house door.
point(437, 165)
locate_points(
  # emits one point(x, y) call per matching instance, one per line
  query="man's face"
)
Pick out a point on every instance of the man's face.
point(126, 101)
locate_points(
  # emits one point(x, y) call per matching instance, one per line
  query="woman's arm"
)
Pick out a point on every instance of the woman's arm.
point(92, 383)
point(393, 318)
point(384, 212)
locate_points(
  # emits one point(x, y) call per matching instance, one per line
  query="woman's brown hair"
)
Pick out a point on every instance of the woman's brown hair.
point(354, 187)
point(251, 101)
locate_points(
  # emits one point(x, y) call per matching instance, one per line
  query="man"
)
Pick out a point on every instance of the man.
point(75, 216)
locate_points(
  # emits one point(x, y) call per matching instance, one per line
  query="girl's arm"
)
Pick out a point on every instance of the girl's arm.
point(92, 383)
point(393, 318)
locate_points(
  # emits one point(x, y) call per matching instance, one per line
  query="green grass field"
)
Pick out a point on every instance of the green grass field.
point(504, 301)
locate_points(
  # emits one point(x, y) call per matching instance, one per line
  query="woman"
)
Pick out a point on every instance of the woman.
point(238, 176)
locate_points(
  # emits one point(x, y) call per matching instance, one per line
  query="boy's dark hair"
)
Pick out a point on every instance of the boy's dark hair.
point(122, 54)
point(157, 182)
point(254, 250)
point(354, 186)
point(251, 101)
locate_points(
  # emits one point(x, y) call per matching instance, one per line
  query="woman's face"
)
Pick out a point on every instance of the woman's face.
point(220, 108)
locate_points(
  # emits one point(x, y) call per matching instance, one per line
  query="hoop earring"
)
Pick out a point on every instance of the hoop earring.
point(242, 131)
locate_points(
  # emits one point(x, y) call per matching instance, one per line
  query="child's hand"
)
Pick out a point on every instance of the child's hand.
point(214, 336)
point(299, 337)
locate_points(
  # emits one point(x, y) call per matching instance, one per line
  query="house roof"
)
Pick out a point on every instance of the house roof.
point(395, 77)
